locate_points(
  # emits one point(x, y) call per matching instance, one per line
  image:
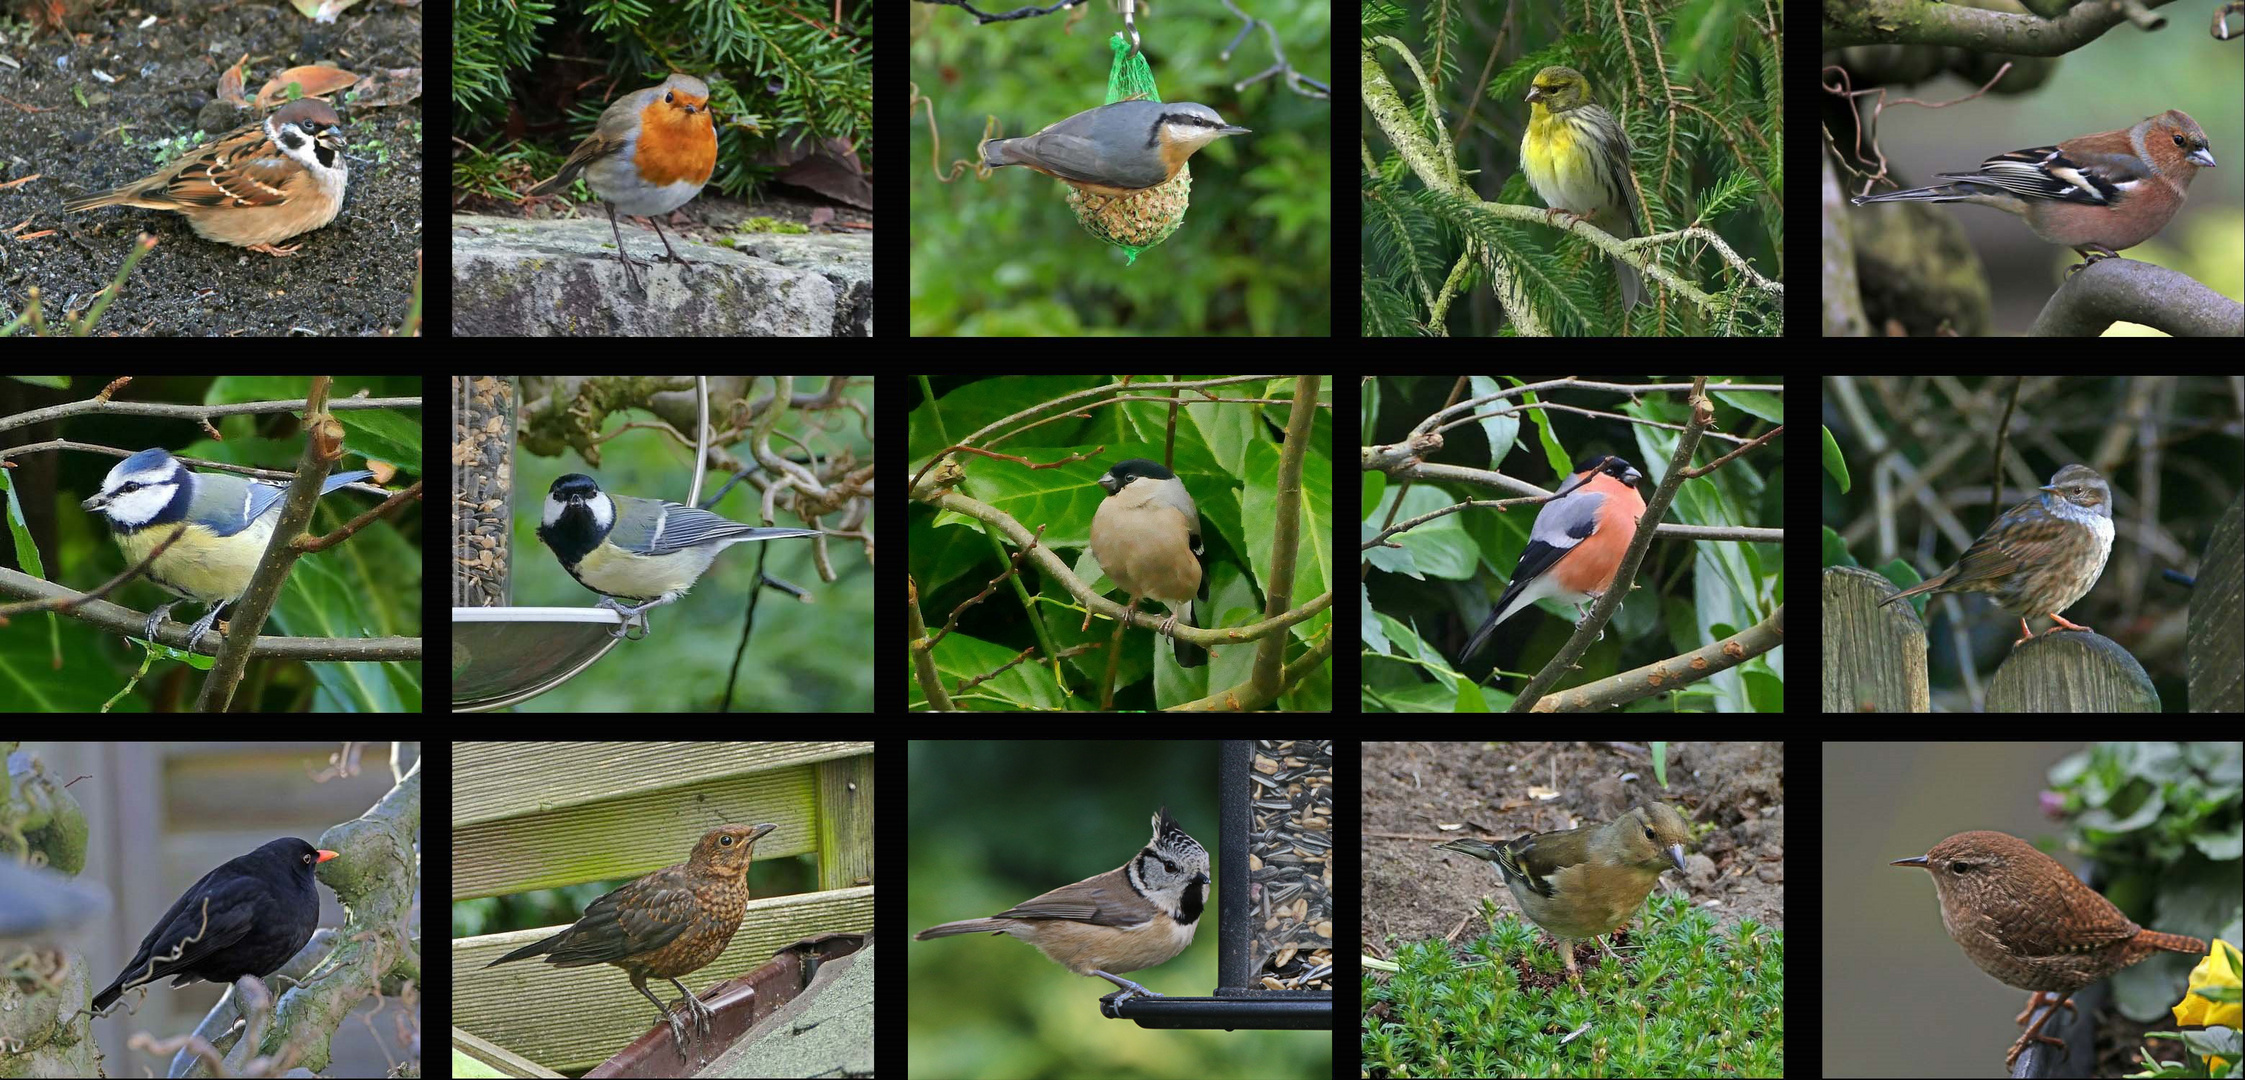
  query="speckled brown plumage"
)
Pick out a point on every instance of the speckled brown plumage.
point(2028, 921)
point(670, 923)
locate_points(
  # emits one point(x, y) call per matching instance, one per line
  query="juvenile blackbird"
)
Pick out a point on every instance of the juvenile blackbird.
point(1581, 883)
point(245, 918)
point(2028, 921)
point(669, 923)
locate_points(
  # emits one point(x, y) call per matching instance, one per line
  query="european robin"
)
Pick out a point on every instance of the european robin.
point(2041, 555)
point(1586, 882)
point(2028, 921)
point(652, 151)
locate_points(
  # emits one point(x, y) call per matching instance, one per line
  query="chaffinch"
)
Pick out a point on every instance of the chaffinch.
point(1582, 883)
point(2102, 192)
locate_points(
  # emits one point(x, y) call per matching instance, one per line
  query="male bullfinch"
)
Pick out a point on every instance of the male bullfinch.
point(1146, 536)
point(1576, 544)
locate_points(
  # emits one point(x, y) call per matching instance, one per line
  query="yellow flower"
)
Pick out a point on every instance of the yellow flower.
point(1577, 158)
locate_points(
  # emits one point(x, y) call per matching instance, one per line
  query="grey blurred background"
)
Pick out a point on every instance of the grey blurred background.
point(1899, 997)
point(157, 816)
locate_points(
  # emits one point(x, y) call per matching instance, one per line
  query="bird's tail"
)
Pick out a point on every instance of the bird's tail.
point(535, 948)
point(969, 926)
point(1190, 655)
point(2171, 942)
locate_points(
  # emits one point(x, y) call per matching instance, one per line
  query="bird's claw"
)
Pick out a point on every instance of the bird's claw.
point(1129, 989)
point(698, 1019)
point(691, 1027)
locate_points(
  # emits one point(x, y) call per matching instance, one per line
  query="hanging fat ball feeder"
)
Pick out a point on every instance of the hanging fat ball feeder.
point(1125, 161)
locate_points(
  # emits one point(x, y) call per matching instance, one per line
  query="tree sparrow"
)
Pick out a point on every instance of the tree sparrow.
point(260, 184)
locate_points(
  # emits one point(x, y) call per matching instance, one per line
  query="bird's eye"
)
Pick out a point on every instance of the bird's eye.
point(1959, 867)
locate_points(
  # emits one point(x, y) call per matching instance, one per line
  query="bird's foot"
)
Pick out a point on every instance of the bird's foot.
point(626, 612)
point(677, 1033)
point(2035, 1002)
point(1567, 956)
point(690, 1021)
point(2020, 1047)
point(2034, 1034)
point(697, 1014)
point(1129, 989)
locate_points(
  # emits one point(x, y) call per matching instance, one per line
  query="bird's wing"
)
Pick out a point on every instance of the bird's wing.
point(638, 918)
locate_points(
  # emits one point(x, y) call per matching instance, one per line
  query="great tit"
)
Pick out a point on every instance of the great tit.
point(228, 519)
point(647, 550)
point(1146, 536)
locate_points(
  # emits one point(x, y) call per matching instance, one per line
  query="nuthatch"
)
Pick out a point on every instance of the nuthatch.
point(1115, 149)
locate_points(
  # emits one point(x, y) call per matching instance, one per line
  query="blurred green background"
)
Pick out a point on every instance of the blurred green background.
point(1005, 256)
point(995, 823)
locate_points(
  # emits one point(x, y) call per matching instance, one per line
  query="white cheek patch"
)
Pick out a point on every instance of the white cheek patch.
point(602, 508)
point(140, 507)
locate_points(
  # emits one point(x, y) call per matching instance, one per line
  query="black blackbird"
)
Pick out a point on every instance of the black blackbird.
point(245, 918)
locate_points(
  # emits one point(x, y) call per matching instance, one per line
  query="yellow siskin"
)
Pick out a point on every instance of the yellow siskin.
point(1577, 158)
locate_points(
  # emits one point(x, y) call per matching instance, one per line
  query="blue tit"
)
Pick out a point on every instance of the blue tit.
point(647, 550)
point(228, 521)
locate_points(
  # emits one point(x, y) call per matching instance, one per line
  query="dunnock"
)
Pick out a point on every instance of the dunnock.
point(2041, 555)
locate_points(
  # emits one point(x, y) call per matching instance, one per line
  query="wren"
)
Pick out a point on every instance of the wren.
point(2028, 921)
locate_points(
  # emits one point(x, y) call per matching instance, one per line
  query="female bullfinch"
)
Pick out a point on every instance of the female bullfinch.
point(1576, 544)
point(1146, 536)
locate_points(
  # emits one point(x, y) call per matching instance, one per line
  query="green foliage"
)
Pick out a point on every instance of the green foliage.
point(1696, 1000)
point(2151, 801)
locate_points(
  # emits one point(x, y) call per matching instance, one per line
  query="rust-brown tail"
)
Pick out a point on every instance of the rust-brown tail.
point(2171, 942)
